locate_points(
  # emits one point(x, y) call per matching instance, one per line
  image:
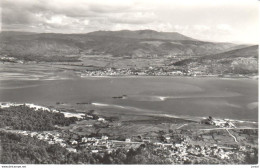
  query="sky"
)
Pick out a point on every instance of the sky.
point(210, 20)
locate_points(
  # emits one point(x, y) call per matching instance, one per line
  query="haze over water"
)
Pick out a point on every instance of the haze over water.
point(198, 97)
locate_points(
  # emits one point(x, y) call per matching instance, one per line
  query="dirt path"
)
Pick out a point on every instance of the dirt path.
point(0, 151)
point(232, 135)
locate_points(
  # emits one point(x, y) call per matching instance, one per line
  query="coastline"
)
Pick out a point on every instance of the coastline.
point(80, 115)
point(48, 71)
point(29, 78)
point(172, 76)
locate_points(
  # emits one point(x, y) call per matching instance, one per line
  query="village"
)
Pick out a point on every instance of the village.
point(147, 71)
point(180, 145)
point(158, 71)
point(182, 152)
point(192, 70)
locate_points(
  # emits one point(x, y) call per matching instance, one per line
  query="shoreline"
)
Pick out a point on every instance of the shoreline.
point(170, 76)
point(82, 73)
point(80, 114)
point(123, 76)
point(67, 114)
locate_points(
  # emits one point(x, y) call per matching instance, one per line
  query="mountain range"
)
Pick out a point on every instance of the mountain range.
point(174, 47)
point(142, 43)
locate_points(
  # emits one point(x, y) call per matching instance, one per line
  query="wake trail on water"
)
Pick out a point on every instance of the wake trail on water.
point(164, 98)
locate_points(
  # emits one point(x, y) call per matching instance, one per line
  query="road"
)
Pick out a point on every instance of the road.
point(181, 126)
point(209, 129)
point(1, 151)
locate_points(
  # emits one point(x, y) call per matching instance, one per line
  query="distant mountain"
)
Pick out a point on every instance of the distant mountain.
point(142, 34)
point(141, 43)
point(238, 61)
point(14, 33)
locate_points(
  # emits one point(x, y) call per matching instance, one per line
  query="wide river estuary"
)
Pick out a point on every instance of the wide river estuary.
point(180, 96)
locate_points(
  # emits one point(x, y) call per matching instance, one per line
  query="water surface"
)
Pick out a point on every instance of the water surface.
point(217, 97)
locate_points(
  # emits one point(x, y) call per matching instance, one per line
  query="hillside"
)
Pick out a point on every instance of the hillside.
point(238, 61)
point(70, 47)
point(142, 34)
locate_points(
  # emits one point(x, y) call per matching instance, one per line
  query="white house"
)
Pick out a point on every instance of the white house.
point(127, 140)
point(71, 149)
point(51, 142)
point(58, 140)
point(104, 138)
point(101, 119)
point(63, 144)
point(74, 142)
point(84, 139)
point(178, 145)
point(33, 134)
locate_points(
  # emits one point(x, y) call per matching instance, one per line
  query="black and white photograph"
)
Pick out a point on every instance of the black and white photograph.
point(129, 82)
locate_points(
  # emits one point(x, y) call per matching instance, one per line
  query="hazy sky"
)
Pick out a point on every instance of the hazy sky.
point(212, 20)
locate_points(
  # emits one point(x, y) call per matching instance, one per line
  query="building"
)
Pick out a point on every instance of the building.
point(167, 138)
point(178, 145)
point(101, 119)
point(84, 139)
point(104, 137)
point(63, 145)
point(146, 140)
point(94, 151)
point(41, 137)
point(71, 149)
point(51, 142)
point(58, 139)
point(33, 134)
point(127, 140)
point(73, 142)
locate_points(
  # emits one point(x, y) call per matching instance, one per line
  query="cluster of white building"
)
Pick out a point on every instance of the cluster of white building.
point(181, 152)
point(10, 59)
point(141, 72)
point(96, 145)
point(223, 123)
point(184, 151)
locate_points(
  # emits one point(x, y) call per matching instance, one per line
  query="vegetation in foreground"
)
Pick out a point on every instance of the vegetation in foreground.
point(27, 150)
point(186, 146)
point(26, 118)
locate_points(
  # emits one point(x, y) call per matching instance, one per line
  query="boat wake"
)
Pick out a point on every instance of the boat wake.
point(164, 98)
